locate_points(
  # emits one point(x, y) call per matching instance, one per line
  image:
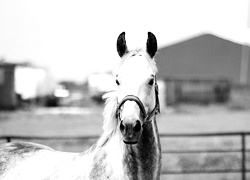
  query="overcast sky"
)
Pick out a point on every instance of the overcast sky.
point(73, 38)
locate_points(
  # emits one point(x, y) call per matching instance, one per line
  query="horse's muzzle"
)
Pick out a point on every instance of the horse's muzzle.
point(131, 131)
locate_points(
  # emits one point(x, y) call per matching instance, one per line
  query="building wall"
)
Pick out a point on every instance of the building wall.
point(7, 87)
point(203, 57)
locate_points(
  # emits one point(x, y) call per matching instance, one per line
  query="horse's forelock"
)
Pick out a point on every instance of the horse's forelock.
point(139, 52)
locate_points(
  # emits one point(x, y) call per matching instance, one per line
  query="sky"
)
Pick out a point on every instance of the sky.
point(73, 38)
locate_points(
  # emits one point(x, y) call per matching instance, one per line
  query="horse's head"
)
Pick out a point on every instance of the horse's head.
point(137, 92)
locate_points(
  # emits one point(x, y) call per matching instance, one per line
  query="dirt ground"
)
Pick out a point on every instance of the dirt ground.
point(70, 121)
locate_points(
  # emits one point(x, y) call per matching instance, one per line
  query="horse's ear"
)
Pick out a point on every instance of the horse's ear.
point(121, 44)
point(151, 44)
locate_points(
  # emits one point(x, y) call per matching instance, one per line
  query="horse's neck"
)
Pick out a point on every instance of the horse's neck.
point(149, 151)
point(140, 161)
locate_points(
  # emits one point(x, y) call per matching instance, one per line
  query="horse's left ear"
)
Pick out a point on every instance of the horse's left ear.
point(151, 44)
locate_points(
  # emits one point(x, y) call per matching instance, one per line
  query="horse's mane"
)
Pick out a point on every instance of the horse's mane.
point(110, 122)
point(109, 113)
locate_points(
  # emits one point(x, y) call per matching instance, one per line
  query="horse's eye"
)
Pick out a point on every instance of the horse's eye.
point(151, 82)
point(117, 82)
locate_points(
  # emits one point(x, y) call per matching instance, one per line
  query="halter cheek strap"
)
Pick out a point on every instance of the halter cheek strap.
point(156, 109)
point(146, 117)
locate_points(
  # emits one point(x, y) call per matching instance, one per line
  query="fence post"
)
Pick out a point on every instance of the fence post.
point(243, 156)
point(8, 139)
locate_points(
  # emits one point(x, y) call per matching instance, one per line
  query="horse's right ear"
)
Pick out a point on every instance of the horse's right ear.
point(121, 45)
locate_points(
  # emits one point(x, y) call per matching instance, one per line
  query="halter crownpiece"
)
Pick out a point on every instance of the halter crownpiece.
point(146, 117)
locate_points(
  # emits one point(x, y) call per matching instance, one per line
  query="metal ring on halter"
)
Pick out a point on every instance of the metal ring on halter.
point(146, 117)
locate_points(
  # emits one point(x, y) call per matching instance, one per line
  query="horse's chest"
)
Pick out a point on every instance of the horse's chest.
point(108, 165)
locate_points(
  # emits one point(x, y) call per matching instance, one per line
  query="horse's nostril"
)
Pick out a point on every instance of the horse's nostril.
point(122, 127)
point(137, 126)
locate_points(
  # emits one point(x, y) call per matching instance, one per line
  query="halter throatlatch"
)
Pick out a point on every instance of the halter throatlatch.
point(146, 117)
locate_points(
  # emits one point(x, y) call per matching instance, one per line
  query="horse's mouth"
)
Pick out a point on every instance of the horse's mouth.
point(130, 142)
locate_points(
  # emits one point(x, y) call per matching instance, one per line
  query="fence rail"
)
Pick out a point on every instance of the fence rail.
point(242, 150)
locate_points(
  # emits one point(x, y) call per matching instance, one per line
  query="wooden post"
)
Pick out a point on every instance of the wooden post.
point(243, 156)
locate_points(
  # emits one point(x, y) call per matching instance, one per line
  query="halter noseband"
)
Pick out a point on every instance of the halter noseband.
point(146, 117)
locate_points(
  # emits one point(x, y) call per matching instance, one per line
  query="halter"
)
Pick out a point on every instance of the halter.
point(147, 117)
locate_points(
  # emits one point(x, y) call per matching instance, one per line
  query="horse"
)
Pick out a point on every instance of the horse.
point(128, 149)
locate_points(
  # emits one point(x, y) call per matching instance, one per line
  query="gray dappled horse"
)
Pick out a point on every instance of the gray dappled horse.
point(129, 147)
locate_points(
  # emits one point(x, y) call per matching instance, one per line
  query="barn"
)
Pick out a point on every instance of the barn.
point(203, 69)
point(23, 81)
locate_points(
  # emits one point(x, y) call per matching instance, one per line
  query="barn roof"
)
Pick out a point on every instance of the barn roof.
point(203, 57)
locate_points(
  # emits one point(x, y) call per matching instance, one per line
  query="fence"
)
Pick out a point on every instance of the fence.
point(242, 150)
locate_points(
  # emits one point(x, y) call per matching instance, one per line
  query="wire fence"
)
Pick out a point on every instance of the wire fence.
point(242, 150)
